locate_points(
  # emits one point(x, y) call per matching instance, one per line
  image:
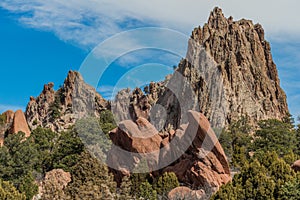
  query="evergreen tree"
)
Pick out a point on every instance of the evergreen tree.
point(125, 189)
point(236, 141)
point(19, 156)
point(9, 192)
point(66, 152)
point(90, 180)
point(274, 135)
point(266, 176)
point(146, 191)
point(297, 150)
point(166, 183)
point(290, 190)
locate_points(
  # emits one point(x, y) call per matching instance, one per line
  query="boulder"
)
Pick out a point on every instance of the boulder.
point(204, 164)
point(183, 192)
point(134, 143)
point(193, 153)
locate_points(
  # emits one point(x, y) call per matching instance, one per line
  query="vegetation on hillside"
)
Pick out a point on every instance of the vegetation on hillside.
point(260, 158)
point(264, 163)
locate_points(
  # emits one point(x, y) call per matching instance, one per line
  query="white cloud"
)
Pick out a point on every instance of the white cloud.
point(88, 22)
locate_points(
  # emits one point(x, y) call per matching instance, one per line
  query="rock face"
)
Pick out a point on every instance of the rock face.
point(244, 59)
point(135, 139)
point(192, 152)
point(204, 164)
point(5, 124)
point(20, 124)
point(58, 110)
point(13, 123)
point(228, 73)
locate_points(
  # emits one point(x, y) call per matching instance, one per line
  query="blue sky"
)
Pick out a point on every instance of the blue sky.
point(40, 41)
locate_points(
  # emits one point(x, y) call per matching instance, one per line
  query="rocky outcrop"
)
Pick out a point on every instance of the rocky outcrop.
point(192, 152)
point(19, 124)
point(183, 192)
point(244, 60)
point(135, 140)
point(296, 166)
point(5, 124)
point(13, 123)
point(204, 164)
point(9, 115)
point(228, 73)
point(53, 185)
point(58, 110)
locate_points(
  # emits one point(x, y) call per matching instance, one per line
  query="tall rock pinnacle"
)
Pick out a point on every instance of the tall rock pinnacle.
point(244, 60)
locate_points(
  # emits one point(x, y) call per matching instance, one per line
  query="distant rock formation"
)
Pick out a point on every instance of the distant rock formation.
point(14, 123)
point(58, 110)
point(19, 124)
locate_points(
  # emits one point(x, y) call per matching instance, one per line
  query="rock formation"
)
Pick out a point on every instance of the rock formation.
point(58, 110)
point(55, 181)
point(228, 73)
point(20, 124)
point(14, 123)
point(193, 152)
point(244, 60)
point(134, 139)
point(183, 192)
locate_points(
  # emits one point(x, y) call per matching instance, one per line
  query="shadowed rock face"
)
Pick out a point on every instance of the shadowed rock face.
point(201, 161)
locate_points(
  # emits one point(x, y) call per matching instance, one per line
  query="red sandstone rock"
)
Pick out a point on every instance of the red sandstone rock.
point(20, 124)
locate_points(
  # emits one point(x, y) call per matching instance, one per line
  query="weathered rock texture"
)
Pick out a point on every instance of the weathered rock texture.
point(54, 183)
point(20, 124)
point(14, 123)
point(135, 139)
point(183, 192)
point(228, 73)
point(58, 110)
point(192, 152)
point(244, 59)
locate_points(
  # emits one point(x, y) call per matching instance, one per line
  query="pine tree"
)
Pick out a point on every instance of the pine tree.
point(91, 180)
point(147, 192)
point(125, 189)
point(9, 192)
point(166, 183)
